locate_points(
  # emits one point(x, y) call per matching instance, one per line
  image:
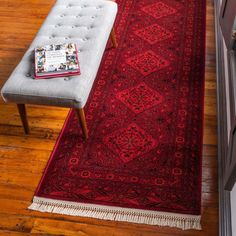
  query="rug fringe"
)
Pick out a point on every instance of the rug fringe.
point(182, 221)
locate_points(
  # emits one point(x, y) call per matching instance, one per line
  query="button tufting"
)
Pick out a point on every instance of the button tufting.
point(58, 28)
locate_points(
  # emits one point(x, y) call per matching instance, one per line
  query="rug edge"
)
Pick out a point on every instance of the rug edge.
point(182, 221)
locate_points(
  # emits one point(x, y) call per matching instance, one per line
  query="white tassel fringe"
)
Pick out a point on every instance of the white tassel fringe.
point(182, 221)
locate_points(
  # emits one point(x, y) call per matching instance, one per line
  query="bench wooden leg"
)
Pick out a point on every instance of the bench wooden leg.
point(23, 116)
point(113, 38)
point(81, 116)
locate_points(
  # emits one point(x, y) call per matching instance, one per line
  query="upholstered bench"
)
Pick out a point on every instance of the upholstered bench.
point(88, 23)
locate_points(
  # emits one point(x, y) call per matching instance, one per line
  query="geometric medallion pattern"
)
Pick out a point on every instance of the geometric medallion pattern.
point(129, 143)
point(153, 33)
point(144, 116)
point(140, 98)
point(159, 9)
point(147, 62)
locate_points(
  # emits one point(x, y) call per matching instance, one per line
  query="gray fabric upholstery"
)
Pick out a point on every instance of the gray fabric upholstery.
point(88, 23)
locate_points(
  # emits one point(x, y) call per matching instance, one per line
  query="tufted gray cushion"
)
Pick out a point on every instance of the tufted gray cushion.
point(88, 23)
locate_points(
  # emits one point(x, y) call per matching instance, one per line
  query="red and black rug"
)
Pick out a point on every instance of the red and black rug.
point(142, 161)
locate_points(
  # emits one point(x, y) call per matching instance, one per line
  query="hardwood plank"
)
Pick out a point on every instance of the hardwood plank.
point(14, 233)
point(26, 141)
point(77, 229)
point(22, 224)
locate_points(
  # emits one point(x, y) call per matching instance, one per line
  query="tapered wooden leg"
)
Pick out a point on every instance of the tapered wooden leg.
point(113, 38)
point(81, 116)
point(23, 116)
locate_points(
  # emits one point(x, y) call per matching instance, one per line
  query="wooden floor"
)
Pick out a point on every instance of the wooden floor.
point(23, 158)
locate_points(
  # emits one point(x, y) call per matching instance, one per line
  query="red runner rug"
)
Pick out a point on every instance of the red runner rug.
point(142, 161)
